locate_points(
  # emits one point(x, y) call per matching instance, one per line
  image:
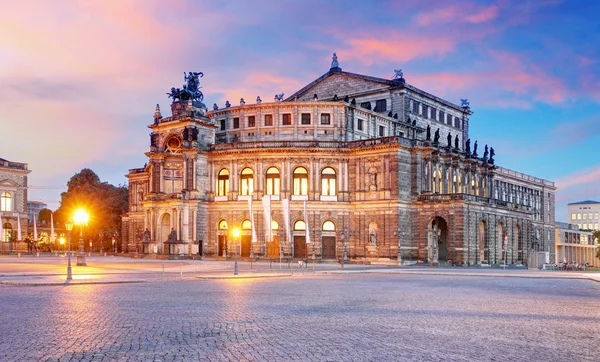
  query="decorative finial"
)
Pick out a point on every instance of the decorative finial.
point(157, 112)
point(215, 107)
point(258, 100)
point(279, 97)
point(334, 62)
point(242, 102)
point(315, 98)
point(464, 103)
point(398, 74)
point(227, 104)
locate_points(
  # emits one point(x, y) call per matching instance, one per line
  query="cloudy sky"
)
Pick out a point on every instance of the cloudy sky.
point(79, 80)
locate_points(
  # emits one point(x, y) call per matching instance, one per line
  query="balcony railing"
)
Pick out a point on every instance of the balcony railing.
point(471, 198)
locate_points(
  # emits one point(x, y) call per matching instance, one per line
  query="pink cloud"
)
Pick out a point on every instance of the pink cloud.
point(590, 175)
point(457, 13)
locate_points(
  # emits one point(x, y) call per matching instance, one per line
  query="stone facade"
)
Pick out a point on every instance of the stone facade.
point(13, 205)
point(352, 157)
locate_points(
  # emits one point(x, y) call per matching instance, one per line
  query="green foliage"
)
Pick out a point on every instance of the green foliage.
point(45, 216)
point(103, 202)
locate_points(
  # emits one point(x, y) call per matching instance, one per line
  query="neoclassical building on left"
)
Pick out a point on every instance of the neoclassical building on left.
point(13, 205)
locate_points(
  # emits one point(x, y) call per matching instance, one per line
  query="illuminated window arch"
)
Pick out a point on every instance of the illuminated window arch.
point(246, 225)
point(437, 181)
point(474, 186)
point(6, 201)
point(6, 232)
point(173, 145)
point(300, 181)
point(300, 225)
point(457, 184)
point(273, 181)
point(247, 182)
point(328, 226)
point(274, 225)
point(223, 225)
point(328, 182)
point(223, 183)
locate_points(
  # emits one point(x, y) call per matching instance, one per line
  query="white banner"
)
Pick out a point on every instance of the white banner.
point(19, 235)
point(267, 212)
point(306, 222)
point(285, 205)
point(252, 219)
point(35, 236)
point(52, 239)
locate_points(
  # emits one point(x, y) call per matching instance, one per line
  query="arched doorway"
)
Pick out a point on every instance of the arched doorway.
point(222, 238)
point(165, 229)
point(500, 244)
point(519, 254)
point(273, 250)
point(328, 240)
point(300, 239)
point(437, 237)
point(481, 242)
point(246, 239)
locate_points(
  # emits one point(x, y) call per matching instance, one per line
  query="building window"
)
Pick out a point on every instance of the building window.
point(223, 183)
point(6, 201)
point(415, 107)
point(591, 215)
point(251, 121)
point(247, 182)
point(366, 105)
point(273, 181)
point(236, 122)
point(7, 232)
point(433, 114)
point(474, 187)
point(360, 124)
point(328, 182)
point(300, 181)
point(325, 118)
point(381, 105)
point(457, 184)
point(578, 216)
point(268, 119)
point(573, 217)
point(223, 122)
point(457, 122)
point(425, 110)
point(299, 225)
point(596, 216)
point(437, 181)
point(584, 216)
point(328, 226)
point(442, 114)
point(305, 118)
point(449, 119)
point(286, 119)
point(381, 131)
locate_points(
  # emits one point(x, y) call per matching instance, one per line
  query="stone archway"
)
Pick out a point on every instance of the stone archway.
point(437, 240)
point(165, 229)
point(481, 236)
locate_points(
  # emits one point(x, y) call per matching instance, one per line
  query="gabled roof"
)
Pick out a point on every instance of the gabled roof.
point(584, 202)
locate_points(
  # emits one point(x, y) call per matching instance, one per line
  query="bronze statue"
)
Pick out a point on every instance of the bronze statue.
point(492, 154)
point(468, 146)
point(190, 90)
point(449, 140)
point(436, 136)
point(475, 149)
point(172, 236)
point(456, 142)
point(485, 153)
point(428, 133)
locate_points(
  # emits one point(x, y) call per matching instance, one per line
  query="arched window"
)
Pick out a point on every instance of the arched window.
point(328, 226)
point(6, 232)
point(247, 182)
point(246, 225)
point(223, 183)
point(475, 186)
point(300, 181)
point(274, 225)
point(328, 182)
point(457, 184)
point(223, 225)
point(273, 182)
point(300, 225)
point(6, 201)
point(173, 145)
point(437, 181)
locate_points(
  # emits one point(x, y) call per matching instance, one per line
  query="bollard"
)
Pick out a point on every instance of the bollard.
point(18, 255)
point(37, 254)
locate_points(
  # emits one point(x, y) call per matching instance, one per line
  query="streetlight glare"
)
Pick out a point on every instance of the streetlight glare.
point(81, 217)
point(236, 232)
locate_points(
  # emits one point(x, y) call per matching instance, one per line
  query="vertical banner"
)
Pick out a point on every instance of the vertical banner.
point(285, 205)
point(52, 238)
point(19, 236)
point(35, 236)
point(1, 230)
point(306, 222)
point(267, 212)
point(252, 219)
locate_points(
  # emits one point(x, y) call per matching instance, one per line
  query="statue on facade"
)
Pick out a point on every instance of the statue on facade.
point(464, 103)
point(485, 153)
point(436, 136)
point(279, 97)
point(172, 236)
point(334, 61)
point(428, 133)
point(215, 107)
point(398, 74)
point(449, 138)
point(475, 149)
point(146, 236)
point(492, 154)
point(190, 91)
point(468, 146)
point(456, 143)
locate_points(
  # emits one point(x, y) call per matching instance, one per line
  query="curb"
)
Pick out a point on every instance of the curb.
point(244, 276)
point(66, 284)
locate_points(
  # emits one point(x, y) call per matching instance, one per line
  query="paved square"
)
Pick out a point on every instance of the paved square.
point(346, 317)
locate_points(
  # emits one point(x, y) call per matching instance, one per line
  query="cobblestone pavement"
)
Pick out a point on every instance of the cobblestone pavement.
point(348, 317)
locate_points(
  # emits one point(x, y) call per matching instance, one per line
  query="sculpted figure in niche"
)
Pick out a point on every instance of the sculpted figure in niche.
point(172, 236)
point(146, 235)
point(373, 233)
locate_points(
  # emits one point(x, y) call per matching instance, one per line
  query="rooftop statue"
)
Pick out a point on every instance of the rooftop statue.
point(279, 97)
point(456, 142)
point(449, 140)
point(190, 91)
point(428, 133)
point(436, 136)
point(399, 74)
point(334, 61)
point(485, 152)
point(464, 103)
point(475, 149)
point(492, 154)
point(468, 146)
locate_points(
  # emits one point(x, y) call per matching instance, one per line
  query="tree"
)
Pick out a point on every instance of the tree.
point(103, 202)
point(596, 237)
point(45, 216)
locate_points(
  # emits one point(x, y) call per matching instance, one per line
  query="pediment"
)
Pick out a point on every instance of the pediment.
point(340, 83)
point(8, 183)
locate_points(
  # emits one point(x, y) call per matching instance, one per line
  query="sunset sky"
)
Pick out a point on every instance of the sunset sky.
point(79, 80)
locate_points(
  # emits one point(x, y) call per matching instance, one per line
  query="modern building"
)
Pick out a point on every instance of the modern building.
point(585, 214)
point(34, 208)
point(13, 205)
point(350, 166)
point(576, 245)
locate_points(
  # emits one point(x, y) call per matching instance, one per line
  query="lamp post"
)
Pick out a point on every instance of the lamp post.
point(236, 235)
point(81, 217)
point(345, 235)
point(398, 235)
point(69, 227)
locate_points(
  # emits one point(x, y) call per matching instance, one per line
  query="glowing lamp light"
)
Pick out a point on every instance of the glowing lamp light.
point(62, 240)
point(236, 232)
point(81, 217)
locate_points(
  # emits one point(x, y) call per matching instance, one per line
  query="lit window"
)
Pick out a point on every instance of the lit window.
point(591, 216)
point(223, 183)
point(6, 201)
point(584, 216)
point(7, 231)
point(300, 181)
point(305, 118)
point(474, 187)
point(573, 217)
point(247, 182)
point(273, 181)
point(300, 225)
point(578, 216)
point(222, 225)
point(328, 182)
point(596, 216)
point(328, 226)
point(325, 118)
point(437, 181)
point(457, 184)
point(246, 225)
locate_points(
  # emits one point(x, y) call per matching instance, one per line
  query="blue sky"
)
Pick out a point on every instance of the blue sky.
point(79, 80)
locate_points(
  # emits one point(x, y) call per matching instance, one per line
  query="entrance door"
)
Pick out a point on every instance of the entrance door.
point(246, 245)
point(299, 247)
point(328, 247)
point(273, 248)
point(222, 245)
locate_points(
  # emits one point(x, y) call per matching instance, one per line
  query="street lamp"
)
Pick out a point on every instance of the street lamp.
point(236, 235)
point(62, 243)
point(398, 235)
point(69, 227)
point(81, 218)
